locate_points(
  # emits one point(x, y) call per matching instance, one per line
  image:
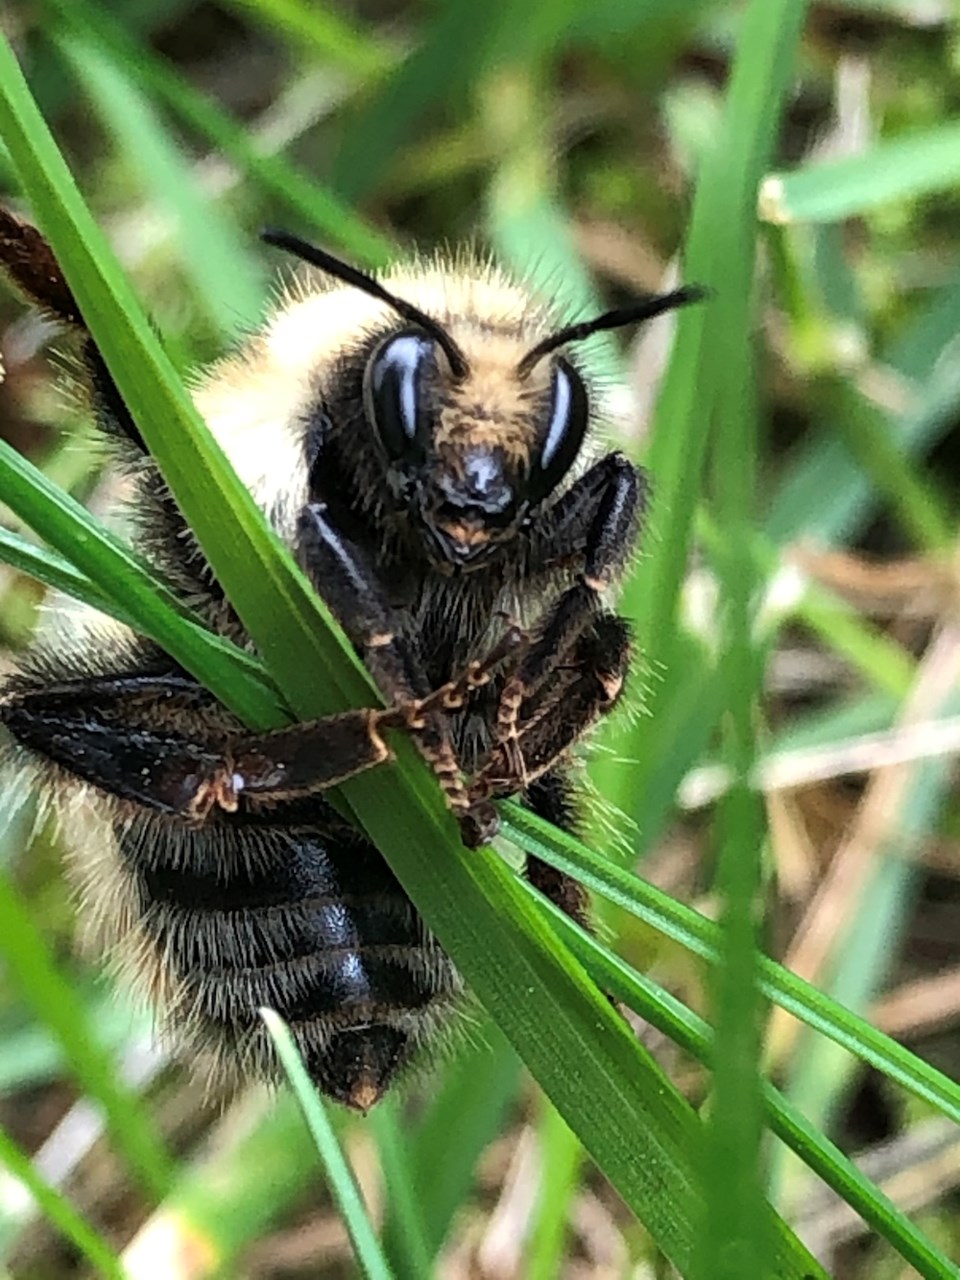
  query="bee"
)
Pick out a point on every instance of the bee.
point(419, 442)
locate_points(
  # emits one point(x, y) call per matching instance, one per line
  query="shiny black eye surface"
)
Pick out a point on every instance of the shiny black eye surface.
point(566, 427)
point(394, 394)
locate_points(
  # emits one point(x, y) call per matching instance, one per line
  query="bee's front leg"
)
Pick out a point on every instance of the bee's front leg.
point(593, 526)
point(584, 687)
point(344, 574)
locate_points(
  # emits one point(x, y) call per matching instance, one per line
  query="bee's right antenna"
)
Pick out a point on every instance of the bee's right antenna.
point(636, 313)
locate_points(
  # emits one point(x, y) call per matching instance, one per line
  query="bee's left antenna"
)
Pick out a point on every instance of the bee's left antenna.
point(318, 257)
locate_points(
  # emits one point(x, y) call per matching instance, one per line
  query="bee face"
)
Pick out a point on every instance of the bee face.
point(470, 452)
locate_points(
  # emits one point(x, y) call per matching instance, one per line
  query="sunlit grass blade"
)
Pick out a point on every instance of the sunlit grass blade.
point(901, 168)
point(319, 30)
point(686, 1028)
point(698, 934)
point(290, 187)
point(60, 1212)
point(342, 1182)
point(56, 1005)
point(218, 261)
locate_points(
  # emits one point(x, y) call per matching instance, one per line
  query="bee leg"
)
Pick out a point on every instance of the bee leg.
point(343, 571)
point(584, 689)
point(97, 731)
point(30, 264)
point(452, 695)
point(550, 798)
point(594, 522)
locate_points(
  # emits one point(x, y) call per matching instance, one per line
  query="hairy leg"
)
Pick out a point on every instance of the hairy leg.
point(29, 262)
point(141, 739)
point(594, 525)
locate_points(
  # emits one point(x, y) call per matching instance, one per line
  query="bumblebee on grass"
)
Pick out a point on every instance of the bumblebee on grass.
point(414, 440)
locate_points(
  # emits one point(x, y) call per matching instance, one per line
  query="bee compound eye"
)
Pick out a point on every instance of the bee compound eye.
point(394, 394)
point(566, 428)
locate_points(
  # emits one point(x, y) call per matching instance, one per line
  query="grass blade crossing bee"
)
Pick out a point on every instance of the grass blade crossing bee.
point(414, 440)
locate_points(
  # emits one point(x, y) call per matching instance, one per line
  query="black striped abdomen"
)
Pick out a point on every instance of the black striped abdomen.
point(306, 919)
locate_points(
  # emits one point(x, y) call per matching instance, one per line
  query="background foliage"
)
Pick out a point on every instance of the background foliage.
point(795, 709)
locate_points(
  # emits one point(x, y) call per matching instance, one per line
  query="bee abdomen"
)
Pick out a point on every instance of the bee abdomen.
point(310, 924)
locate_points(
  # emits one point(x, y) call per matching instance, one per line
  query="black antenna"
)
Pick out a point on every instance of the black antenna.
point(360, 280)
point(636, 313)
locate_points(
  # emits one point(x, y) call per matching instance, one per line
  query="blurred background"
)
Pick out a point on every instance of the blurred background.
point(565, 138)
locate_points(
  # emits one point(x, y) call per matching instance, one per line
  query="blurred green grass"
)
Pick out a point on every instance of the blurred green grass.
point(588, 148)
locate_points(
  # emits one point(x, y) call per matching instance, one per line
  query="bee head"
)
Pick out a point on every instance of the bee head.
point(472, 438)
point(471, 447)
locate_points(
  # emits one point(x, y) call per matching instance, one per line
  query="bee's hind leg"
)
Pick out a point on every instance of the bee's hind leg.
point(122, 735)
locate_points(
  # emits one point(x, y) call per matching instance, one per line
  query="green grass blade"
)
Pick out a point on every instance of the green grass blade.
point(442, 1171)
point(60, 1212)
point(56, 572)
point(319, 30)
point(734, 1239)
point(58, 1008)
point(698, 934)
point(720, 253)
point(894, 169)
point(560, 1156)
point(689, 1030)
point(342, 1182)
point(227, 279)
point(624, 1110)
point(252, 566)
point(405, 1240)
